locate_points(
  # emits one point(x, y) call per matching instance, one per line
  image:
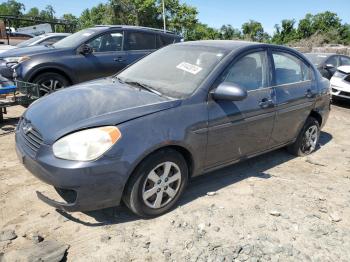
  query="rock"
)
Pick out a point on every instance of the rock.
point(274, 227)
point(147, 244)
point(216, 229)
point(261, 225)
point(275, 213)
point(36, 238)
point(105, 238)
point(335, 217)
point(167, 253)
point(211, 193)
point(8, 234)
point(44, 214)
point(323, 210)
point(46, 251)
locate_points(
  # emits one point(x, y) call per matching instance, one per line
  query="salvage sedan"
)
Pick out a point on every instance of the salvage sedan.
point(187, 109)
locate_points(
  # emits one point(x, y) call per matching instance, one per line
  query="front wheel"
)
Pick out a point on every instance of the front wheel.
point(50, 82)
point(157, 184)
point(307, 140)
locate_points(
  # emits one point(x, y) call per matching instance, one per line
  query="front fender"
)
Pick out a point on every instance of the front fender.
point(27, 71)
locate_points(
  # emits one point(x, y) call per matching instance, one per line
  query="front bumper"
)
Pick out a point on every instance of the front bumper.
point(340, 92)
point(92, 185)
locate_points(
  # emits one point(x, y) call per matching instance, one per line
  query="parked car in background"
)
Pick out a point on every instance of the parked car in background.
point(88, 54)
point(328, 63)
point(45, 39)
point(181, 111)
point(340, 83)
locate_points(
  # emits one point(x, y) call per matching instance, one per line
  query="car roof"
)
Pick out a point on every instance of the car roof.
point(57, 34)
point(161, 31)
point(232, 45)
point(321, 54)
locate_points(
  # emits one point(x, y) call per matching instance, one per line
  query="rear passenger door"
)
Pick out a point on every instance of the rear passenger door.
point(295, 90)
point(139, 44)
point(238, 129)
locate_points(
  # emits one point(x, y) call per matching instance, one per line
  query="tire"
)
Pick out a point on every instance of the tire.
point(50, 82)
point(144, 190)
point(306, 143)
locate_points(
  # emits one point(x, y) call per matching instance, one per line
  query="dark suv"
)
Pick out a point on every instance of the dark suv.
point(88, 54)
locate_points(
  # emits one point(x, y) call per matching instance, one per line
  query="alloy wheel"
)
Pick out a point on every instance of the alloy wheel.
point(310, 139)
point(161, 185)
point(50, 85)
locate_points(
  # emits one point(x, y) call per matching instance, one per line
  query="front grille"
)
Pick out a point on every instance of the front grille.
point(31, 137)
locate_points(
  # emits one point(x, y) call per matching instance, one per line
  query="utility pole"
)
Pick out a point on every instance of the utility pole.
point(164, 23)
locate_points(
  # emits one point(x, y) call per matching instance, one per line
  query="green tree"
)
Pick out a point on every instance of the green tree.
point(254, 31)
point(285, 33)
point(48, 13)
point(228, 32)
point(202, 32)
point(327, 21)
point(305, 27)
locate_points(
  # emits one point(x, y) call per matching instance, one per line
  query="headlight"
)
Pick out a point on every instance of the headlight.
point(16, 59)
point(339, 74)
point(86, 145)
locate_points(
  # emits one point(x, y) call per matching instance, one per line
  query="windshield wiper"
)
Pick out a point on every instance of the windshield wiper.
point(143, 86)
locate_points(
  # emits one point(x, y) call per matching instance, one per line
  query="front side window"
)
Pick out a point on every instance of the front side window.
point(109, 42)
point(140, 41)
point(344, 60)
point(176, 70)
point(249, 72)
point(290, 69)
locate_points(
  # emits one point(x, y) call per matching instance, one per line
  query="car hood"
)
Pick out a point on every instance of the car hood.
point(345, 69)
point(96, 103)
point(29, 50)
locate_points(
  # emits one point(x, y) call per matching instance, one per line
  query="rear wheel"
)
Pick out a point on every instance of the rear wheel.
point(307, 140)
point(50, 82)
point(157, 184)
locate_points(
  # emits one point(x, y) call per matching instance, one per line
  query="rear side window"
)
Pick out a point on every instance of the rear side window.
point(140, 41)
point(249, 72)
point(290, 69)
point(164, 40)
point(344, 60)
point(333, 61)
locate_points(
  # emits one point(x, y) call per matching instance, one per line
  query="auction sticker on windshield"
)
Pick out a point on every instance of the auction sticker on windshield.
point(193, 69)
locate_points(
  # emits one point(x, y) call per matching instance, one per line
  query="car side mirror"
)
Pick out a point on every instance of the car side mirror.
point(329, 66)
point(229, 91)
point(85, 50)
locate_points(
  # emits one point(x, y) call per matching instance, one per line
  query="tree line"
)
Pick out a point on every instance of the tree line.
point(182, 18)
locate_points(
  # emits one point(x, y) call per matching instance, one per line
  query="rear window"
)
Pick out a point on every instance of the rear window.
point(140, 41)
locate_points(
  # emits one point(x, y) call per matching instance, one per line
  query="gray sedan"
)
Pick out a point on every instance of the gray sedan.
point(182, 111)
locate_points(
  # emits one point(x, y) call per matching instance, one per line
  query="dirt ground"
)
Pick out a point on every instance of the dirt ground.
point(271, 208)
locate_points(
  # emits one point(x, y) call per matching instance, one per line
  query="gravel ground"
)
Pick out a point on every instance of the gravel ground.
point(274, 207)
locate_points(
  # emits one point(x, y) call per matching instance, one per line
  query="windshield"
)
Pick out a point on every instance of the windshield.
point(316, 59)
point(75, 39)
point(174, 71)
point(30, 41)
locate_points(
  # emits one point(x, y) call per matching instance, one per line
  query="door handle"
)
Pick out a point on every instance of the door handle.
point(266, 103)
point(119, 59)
